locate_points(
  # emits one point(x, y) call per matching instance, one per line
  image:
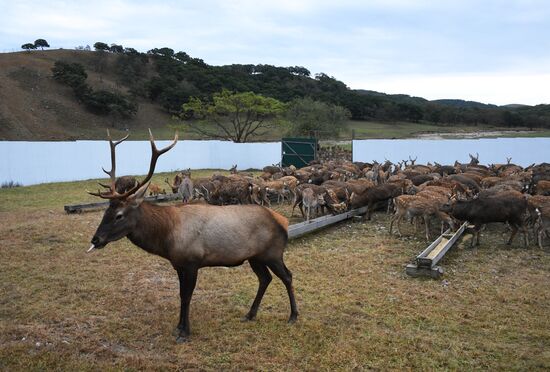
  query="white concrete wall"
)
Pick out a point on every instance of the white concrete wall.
point(38, 162)
point(524, 151)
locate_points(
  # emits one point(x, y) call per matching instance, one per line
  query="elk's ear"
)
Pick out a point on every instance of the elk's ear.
point(136, 199)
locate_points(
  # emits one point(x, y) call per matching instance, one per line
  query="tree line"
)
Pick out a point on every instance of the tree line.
point(176, 81)
point(180, 76)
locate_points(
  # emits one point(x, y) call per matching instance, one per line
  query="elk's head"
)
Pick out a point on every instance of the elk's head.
point(122, 215)
point(119, 219)
point(186, 173)
point(474, 160)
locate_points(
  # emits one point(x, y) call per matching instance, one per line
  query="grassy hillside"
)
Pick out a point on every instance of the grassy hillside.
point(35, 107)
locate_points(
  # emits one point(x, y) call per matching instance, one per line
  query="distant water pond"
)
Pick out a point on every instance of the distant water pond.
point(523, 151)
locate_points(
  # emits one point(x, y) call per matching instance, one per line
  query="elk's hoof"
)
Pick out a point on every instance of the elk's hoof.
point(292, 319)
point(181, 339)
point(177, 331)
point(248, 318)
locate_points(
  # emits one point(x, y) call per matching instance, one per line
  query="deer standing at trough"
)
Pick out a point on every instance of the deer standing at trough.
point(193, 236)
point(186, 187)
point(311, 200)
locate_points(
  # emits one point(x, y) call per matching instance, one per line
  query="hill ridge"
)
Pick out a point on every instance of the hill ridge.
point(33, 106)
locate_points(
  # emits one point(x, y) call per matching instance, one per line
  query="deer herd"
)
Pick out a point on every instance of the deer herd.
point(225, 220)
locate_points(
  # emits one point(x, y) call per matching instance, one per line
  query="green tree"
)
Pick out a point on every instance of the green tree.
point(172, 97)
point(103, 102)
point(28, 46)
point(299, 70)
point(306, 115)
point(131, 51)
point(130, 67)
point(409, 112)
point(512, 119)
point(232, 116)
point(103, 47)
point(115, 48)
point(165, 52)
point(41, 43)
point(72, 74)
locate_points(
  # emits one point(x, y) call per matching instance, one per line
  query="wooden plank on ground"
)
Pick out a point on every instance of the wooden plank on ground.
point(427, 260)
point(294, 231)
point(449, 244)
point(302, 228)
point(77, 208)
point(442, 244)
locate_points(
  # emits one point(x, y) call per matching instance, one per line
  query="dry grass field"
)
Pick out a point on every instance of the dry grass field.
point(115, 309)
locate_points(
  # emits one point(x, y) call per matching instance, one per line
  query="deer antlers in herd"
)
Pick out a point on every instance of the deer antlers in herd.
point(155, 154)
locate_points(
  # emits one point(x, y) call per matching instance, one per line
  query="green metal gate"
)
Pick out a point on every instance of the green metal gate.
point(298, 151)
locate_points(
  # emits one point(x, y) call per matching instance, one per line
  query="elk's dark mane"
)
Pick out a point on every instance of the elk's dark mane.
point(155, 224)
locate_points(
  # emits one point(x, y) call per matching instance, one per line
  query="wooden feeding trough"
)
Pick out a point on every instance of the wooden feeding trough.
point(302, 228)
point(294, 231)
point(426, 262)
point(79, 208)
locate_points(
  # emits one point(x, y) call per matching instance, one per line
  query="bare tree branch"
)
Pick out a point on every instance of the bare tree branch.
point(223, 128)
point(207, 133)
point(251, 131)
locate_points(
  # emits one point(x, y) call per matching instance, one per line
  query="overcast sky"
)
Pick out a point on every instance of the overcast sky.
point(492, 51)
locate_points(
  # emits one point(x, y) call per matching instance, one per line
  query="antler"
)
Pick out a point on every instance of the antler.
point(112, 172)
point(169, 184)
point(155, 154)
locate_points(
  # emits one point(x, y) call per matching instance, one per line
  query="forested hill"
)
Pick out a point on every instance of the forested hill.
point(118, 86)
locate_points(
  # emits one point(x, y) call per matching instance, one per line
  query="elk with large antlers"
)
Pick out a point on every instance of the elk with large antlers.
point(192, 236)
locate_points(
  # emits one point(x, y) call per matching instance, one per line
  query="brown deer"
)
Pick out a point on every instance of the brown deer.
point(155, 189)
point(193, 236)
point(175, 186)
point(186, 187)
point(311, 200)
point(124, 183)
point(474, 160)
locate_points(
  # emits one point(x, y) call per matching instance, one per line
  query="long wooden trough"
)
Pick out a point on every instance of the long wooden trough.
point(78, 208)
point(294, 231)
point(302, 228)
point(426, 262)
